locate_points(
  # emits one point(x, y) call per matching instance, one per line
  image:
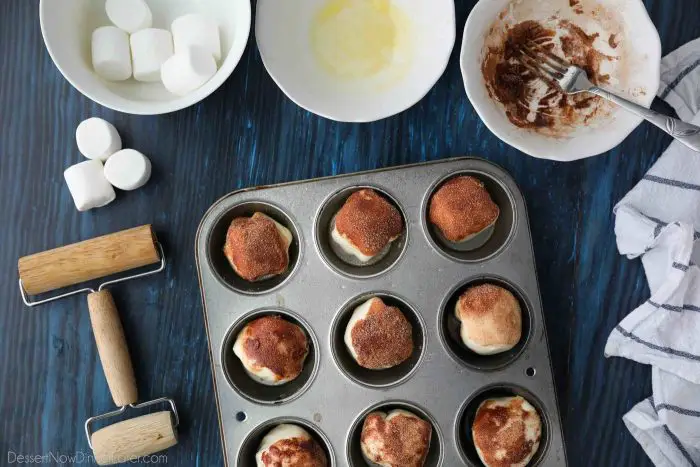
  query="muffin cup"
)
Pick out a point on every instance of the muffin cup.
point(251, 444)
point(354, 450)
point(467, 414)
point(345, 263)
point(247, 387)
point(487, 243)
point(377, 378)
point(221, 266)
point(449, 327)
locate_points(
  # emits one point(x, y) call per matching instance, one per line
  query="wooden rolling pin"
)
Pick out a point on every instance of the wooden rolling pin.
point(88, 260)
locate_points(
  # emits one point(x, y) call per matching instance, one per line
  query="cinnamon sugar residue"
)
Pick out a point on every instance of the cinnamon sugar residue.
point(384, 338)
point(401, 441)
point(530, 101)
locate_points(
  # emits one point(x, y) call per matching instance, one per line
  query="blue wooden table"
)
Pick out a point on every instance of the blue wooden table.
point(248, 133)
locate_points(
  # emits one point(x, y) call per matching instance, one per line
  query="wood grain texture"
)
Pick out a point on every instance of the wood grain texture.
point(247, 133)
point(89, 259)
point(111, 347)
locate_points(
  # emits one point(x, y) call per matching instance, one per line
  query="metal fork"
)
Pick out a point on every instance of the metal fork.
point(573, 80)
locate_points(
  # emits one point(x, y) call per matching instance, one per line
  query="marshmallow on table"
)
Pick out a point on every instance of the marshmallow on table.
point(127, 169)
point(150, 48)
point(88, 185)
point(111, 57)
point(196, 30)
point(97, 139)
point(129, 15)
point(188, 70)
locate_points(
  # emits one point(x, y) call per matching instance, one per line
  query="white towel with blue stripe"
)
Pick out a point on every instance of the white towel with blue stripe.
point(659, 221)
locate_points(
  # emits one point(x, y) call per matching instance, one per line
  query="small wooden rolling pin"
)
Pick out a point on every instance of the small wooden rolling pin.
point(88, 260)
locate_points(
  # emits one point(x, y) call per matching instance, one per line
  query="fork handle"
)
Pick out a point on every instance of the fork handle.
point(684, 132)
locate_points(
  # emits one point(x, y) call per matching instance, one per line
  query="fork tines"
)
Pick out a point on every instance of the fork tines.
point(542, 62)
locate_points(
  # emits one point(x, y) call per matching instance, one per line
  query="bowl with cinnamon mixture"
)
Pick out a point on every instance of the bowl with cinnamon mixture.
point(614, 41)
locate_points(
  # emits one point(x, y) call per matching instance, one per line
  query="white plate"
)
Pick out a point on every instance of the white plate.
point(67, 27)
point(642, 49)
point(424, 30)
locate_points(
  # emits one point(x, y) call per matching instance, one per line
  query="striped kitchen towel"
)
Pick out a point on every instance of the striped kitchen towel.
point(659, 221)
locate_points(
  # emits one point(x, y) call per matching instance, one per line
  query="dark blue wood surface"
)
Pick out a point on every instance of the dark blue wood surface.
point(248, 133)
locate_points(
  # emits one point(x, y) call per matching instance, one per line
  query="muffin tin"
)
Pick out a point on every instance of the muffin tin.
point(443, 381)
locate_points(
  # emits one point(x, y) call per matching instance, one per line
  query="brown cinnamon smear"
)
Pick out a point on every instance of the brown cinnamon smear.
point(402, 441)
point(492, 314)
point(255, 248)
point(384, 338)
point(274, 343)
point(296, 452)
point(513, 85)
point(499, 433)
point(369, 221)
point(462, 207)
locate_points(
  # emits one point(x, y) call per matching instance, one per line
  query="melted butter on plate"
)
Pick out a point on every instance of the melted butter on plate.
point(358, 39)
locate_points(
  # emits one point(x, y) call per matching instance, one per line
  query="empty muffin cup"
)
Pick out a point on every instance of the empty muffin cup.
point(467, 414)
point(354, 450)
point(449, 327)
point(251, 443)
point(377, 378)
point(253, 390)
point(343, 262)
point(488, 242)
point(221, 266)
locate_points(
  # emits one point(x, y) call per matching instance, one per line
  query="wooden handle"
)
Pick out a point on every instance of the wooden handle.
point(111, 345)
point(84, 261)
point(133, 438)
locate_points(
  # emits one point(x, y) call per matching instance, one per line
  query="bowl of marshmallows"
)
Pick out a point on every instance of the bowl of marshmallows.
point(146, 57)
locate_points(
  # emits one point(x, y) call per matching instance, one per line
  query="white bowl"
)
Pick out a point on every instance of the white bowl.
point(284, 34)
point(67, 27)
point(642, 70)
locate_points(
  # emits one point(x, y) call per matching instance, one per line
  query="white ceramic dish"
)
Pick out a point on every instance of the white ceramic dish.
point(641, 70)
point(285, 37)
point(67, 26)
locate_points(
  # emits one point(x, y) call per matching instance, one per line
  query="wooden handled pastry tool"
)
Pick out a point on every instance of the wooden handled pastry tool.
point(88, 260)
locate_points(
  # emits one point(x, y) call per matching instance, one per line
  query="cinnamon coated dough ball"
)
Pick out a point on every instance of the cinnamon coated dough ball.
point(491, 319)
point(366, 224)
point(289, 445)
point(462, 208)
point(257, 247)
point(378, 336)
point(506, 432)
point(272, 350)
point(397, 439)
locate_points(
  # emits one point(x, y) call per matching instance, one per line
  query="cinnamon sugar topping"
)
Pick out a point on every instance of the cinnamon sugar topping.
point(384, 338)
point(369, 221)
point(399, 441)
point(493, 315)
point(462, 207)
point(274, 343)
point(255, 248)
point(295, 452)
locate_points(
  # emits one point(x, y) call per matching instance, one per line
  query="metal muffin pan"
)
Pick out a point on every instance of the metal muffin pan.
point(443, 381)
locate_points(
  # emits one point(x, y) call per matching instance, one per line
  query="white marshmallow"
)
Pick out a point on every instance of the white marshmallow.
point(129, 15)
point(150, 48)
point(279, 433)
point(187, 71)
point(196, 30)
point(88, 185)
point(97, 139)
point(127, 169)
point(111, 57)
